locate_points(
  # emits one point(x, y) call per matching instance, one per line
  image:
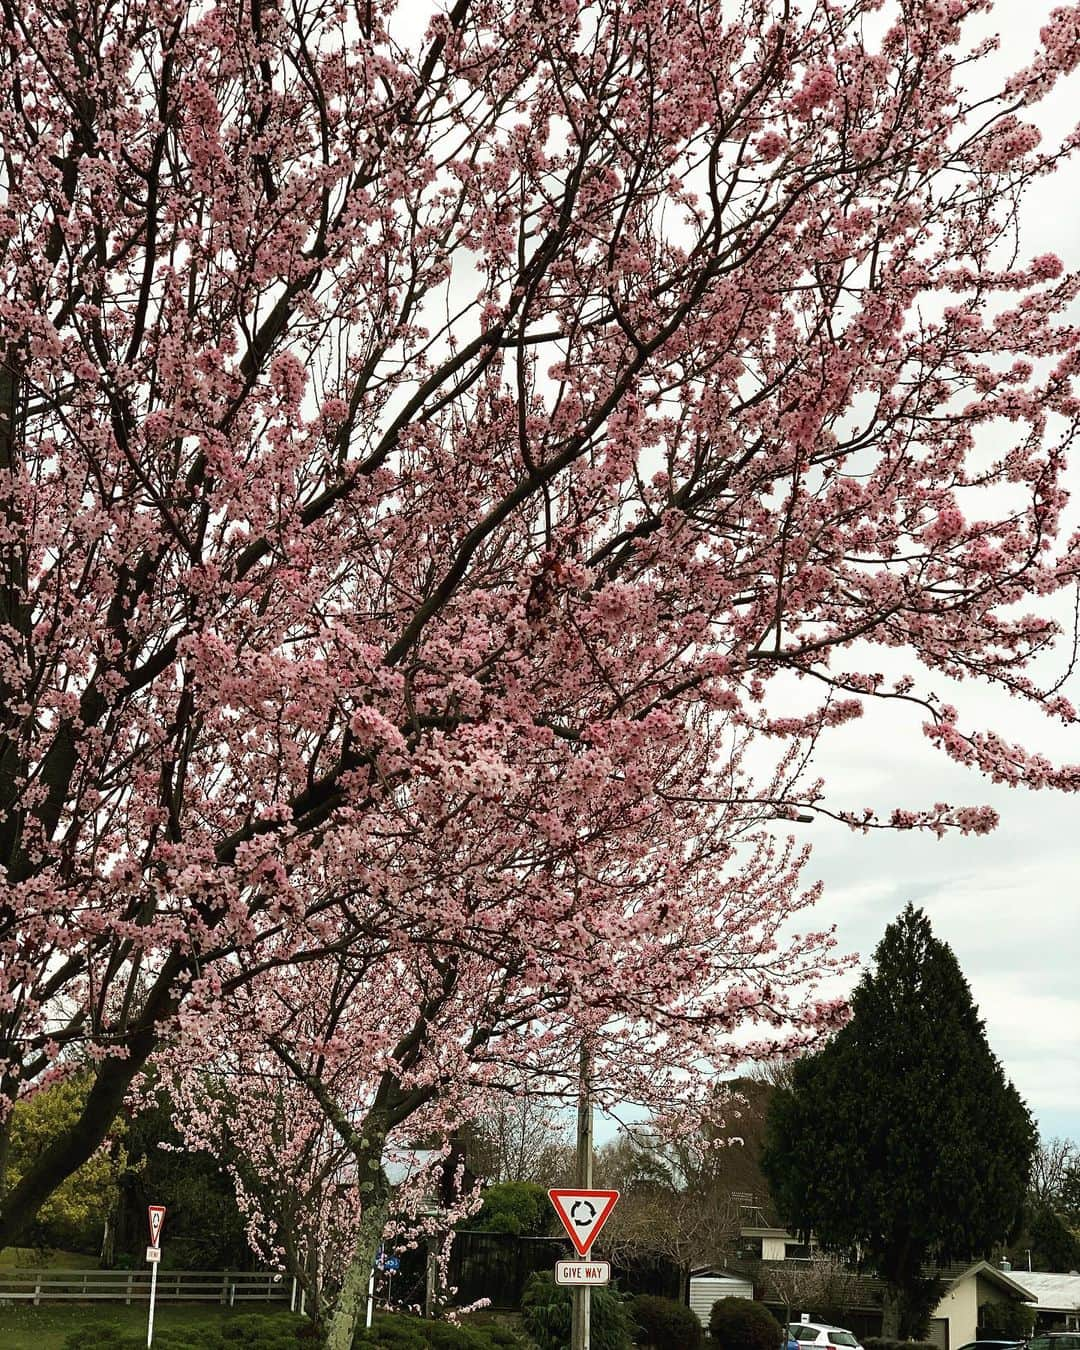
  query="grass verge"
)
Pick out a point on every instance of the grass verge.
point(24, 1327)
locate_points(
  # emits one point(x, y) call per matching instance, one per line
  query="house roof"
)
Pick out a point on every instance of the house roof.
point(715, 1272)
point(407, 1163)
point(870, 1290)
point(986, 1271)
point(1052, 1293)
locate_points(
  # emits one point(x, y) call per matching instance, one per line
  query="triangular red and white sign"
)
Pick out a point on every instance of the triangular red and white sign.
point(156, 1215)
point(583, 1214)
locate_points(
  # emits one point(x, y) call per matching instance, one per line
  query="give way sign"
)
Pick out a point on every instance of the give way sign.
point(583, 1214)
point(156, 1216)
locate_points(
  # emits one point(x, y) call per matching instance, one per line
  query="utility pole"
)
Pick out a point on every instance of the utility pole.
point(580, 1306)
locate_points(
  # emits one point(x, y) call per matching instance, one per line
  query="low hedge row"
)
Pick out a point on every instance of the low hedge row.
point(397, 1332)
point(250, 1332)
point(884, 1343)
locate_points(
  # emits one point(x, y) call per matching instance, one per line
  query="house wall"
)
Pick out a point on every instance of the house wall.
point(960, 1307)
point(988, 1292)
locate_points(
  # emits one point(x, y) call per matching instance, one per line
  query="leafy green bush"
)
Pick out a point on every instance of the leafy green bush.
point(1006, 1321)
point(741, 1324)
point(392, 1334)
point(111, 1337)
point(884, 1343)
point(503, 1338)
point(665, 1324)
point(545, 1313)
point(518, 1207)
point(256, 1332)
point(395, 1332)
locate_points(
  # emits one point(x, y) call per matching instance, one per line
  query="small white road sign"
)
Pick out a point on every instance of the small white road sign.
point(583, 1214)
point(153, 1254)
point(582, 1272)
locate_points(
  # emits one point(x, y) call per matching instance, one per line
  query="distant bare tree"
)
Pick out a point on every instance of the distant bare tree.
point(675, 1204)
point(1054, 1160)
point(773, 1073)
point(523, 1138)
point(822, 1286)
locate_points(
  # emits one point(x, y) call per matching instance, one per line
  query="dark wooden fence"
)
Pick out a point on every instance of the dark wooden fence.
point(496, 1266)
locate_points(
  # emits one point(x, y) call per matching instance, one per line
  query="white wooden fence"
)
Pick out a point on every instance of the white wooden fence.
point(186, 1286)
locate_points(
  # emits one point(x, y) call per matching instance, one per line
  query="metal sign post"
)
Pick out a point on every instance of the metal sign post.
point(581, 1295)
point(371, 1288)
point(156, 1218)
point(582, 1212)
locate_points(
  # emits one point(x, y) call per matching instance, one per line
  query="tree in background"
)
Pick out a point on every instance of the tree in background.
point(291, 1178)
point(676, 1203)
point(903, 1134)
point(75, 1216)
point(1055, 1164)
point(207, 1230)
point(1053, 1244)
point(518, 1207)
point(1006, 1320)
point(1068, 1197)
point(434, 467)
point(824, 1287)
point(1049, 1238)
point(521, 1138)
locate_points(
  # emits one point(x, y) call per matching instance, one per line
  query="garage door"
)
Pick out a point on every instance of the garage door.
point(937, 1333)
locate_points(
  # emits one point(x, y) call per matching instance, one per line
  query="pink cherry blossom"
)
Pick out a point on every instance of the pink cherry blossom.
point(449, 486)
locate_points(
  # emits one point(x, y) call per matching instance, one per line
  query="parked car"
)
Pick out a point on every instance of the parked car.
point(803, 1335)
point(992, 1345)
point(1054, 1340)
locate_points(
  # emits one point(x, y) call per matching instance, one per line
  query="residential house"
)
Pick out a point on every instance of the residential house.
point(1056, 1299)
point(766, 1254)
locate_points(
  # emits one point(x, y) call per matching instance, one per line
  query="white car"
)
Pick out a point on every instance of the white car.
point(803, 1335)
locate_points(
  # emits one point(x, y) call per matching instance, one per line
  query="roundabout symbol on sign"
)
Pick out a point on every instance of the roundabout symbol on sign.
point(583, 1213)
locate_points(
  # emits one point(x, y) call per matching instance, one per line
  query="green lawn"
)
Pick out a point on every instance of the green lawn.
point(29, 1258)
point(25, 1327)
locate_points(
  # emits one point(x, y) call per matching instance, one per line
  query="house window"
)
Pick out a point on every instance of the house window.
point(797, 1251)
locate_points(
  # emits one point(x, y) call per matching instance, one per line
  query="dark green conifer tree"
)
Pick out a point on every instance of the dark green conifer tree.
point(903, 1137)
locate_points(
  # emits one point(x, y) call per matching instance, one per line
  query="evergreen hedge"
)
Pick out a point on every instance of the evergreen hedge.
point(665, 1324)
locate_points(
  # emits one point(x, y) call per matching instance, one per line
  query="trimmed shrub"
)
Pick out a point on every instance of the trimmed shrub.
point(742, 1324)
point(448, 1336)
point(665, 1324)
point(255, 1332)
point(545, 1314)
point(1006, 1321)
point(393, 1333)
point(396, 1332)
point(250, 1331)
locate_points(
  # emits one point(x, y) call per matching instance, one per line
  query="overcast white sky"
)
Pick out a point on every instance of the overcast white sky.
point(1006, 903)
